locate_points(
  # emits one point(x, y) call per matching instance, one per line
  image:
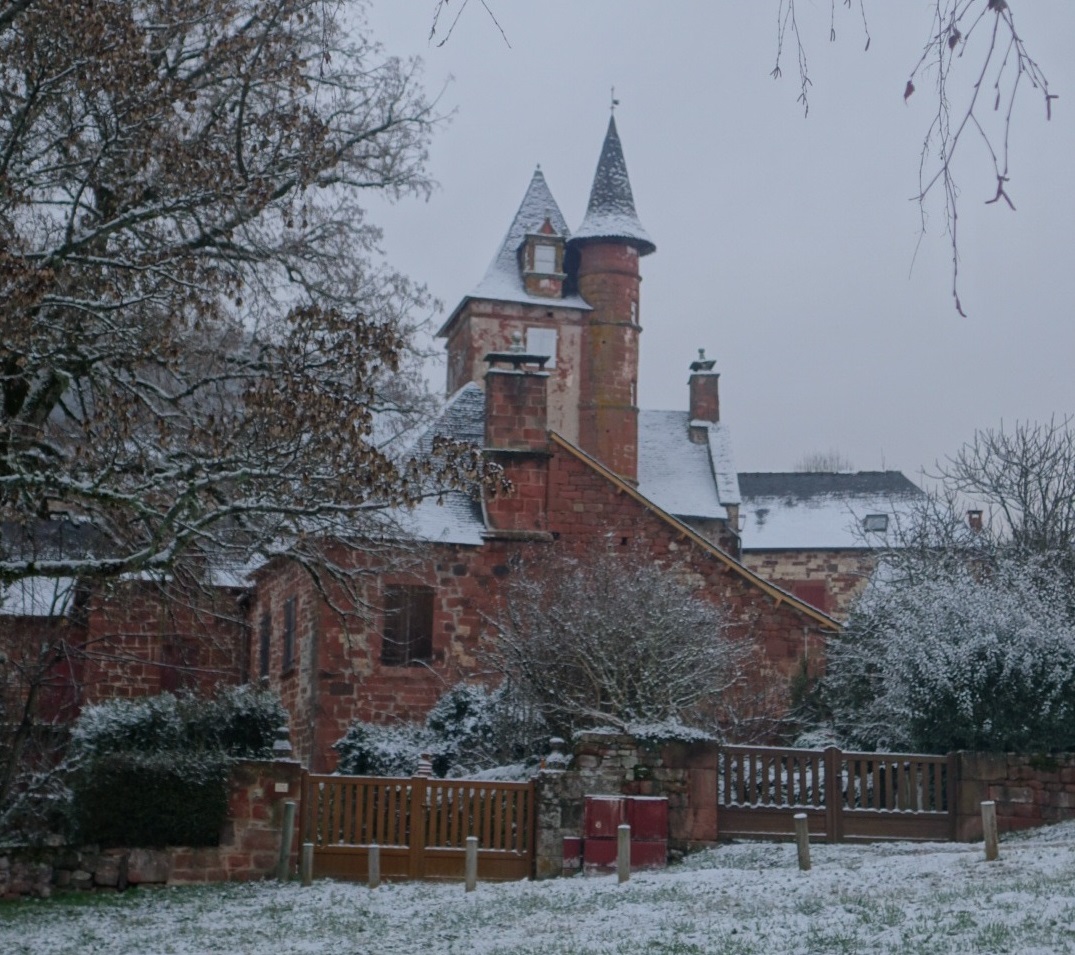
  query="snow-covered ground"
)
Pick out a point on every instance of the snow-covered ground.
point(746, 898)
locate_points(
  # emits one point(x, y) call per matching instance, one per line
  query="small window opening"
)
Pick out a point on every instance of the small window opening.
point(542, 341)
point(264, 637)
point(408, 625)
point(289, 635)
point(875, 523)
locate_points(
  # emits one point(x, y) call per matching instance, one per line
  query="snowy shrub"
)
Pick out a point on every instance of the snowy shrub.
point(469, 730)
point(152, 799)
point(966, 655)
point(153, 771)
point(609, 637)
point(239, 721)
point(373, 749)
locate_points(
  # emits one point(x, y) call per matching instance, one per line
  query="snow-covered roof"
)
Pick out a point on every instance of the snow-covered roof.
point(503, 280)
point(683, 478)
point(457, 519)
point(37, 597)
point(822, 511)
point(611, 211)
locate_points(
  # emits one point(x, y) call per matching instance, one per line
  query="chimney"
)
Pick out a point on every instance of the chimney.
point(517, 438)
point(974, 521)
point(704, 395)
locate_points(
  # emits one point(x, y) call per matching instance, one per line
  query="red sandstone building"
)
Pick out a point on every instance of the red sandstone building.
point(542, 374)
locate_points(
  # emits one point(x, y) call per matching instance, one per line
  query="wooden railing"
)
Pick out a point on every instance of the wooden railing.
point(420, 824)
point(852, 796)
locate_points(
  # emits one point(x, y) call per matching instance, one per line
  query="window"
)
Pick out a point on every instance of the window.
point(813, 592)
point(542, 341)
point(289, 634)
point(408, 625)
point(875, 523)
point(264, 636)
point(545, 259)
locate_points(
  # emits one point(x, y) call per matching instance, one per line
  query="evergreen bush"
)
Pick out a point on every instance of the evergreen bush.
point(154, 771)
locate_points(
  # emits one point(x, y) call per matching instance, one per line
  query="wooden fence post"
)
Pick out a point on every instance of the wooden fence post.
point(306, 865)
point(834, 795)
point(472, 863)
point(989, 830)
point(952, 791)
point(416, 830)
point(802, 840)
point(287, 833)
point(373, 863)
point(623, 852)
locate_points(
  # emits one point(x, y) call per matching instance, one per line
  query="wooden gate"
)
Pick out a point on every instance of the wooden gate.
point(421, 826)
point(853, 797)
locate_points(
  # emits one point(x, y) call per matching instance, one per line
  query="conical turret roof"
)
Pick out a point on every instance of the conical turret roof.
point(611, 212)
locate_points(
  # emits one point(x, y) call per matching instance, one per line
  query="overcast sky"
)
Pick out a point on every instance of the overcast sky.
point(784, 244)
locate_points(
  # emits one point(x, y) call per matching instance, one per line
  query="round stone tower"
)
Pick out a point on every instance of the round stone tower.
point(608, 245)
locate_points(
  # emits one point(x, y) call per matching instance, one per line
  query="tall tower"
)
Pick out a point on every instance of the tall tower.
point(606, 249)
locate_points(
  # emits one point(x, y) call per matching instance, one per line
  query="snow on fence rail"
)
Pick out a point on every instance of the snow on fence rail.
point(846, 796)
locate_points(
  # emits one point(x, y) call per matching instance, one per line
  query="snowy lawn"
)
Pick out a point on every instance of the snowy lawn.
point(746, 898)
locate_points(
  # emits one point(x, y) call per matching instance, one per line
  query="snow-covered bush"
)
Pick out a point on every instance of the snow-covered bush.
point(374, 749)
point(471, 729)
point(153, 771)
point(968, 654)
point(152, 799)
point(610, 637)
point(238, 721)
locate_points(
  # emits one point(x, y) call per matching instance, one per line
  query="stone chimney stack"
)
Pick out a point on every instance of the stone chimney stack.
point(704, 394)
point(517, 438)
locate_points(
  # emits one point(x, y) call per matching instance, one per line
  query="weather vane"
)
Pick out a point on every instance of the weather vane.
point(615, 102)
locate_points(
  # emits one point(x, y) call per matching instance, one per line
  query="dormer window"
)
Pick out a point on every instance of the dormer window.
point(875, 523)
point(545, 259)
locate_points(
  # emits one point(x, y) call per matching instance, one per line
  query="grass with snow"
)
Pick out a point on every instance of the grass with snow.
point(745, 899)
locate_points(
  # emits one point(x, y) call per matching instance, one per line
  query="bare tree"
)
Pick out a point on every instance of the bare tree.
point(200, 349)
point(608, 638)
point(975, 42)
point(825, 462)
point(1026, 475)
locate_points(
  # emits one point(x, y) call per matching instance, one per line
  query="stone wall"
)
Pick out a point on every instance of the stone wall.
point(249, 846)
point(839, 574)
point(1029, 791)
point(611, 764)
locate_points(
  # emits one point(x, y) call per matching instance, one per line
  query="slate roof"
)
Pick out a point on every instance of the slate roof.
point(611, 211)
point(821, 511)
point(458, 519)
point(683, 478)
point(503, 281)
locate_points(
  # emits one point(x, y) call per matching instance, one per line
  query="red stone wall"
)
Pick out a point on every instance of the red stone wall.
point(485, 326)
point(142, 639)
point(339, 676)
point(842, 572)
point(1029, 791)
point(608, 408)
point(704, 389)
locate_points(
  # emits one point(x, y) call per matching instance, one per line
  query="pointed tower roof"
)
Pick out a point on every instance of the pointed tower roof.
point(503, 281)
point(611, 212)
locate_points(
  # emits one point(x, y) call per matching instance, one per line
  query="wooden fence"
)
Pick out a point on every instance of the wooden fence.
point(421, 826)
point(845, 796)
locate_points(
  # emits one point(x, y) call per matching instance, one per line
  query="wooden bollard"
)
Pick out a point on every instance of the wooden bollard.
point(472, 863)
point(287, 833)
point(989, 830)
point(373, 863)
point(623, 852)
point(306, 863)
point(802, 840)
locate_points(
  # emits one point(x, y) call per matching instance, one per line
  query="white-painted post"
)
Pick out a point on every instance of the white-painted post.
point(373, 861)
point(623, 852)
point(802, 840)
point(287, 833)
point(989, 830)
point(472, 863)
point(306, 863)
